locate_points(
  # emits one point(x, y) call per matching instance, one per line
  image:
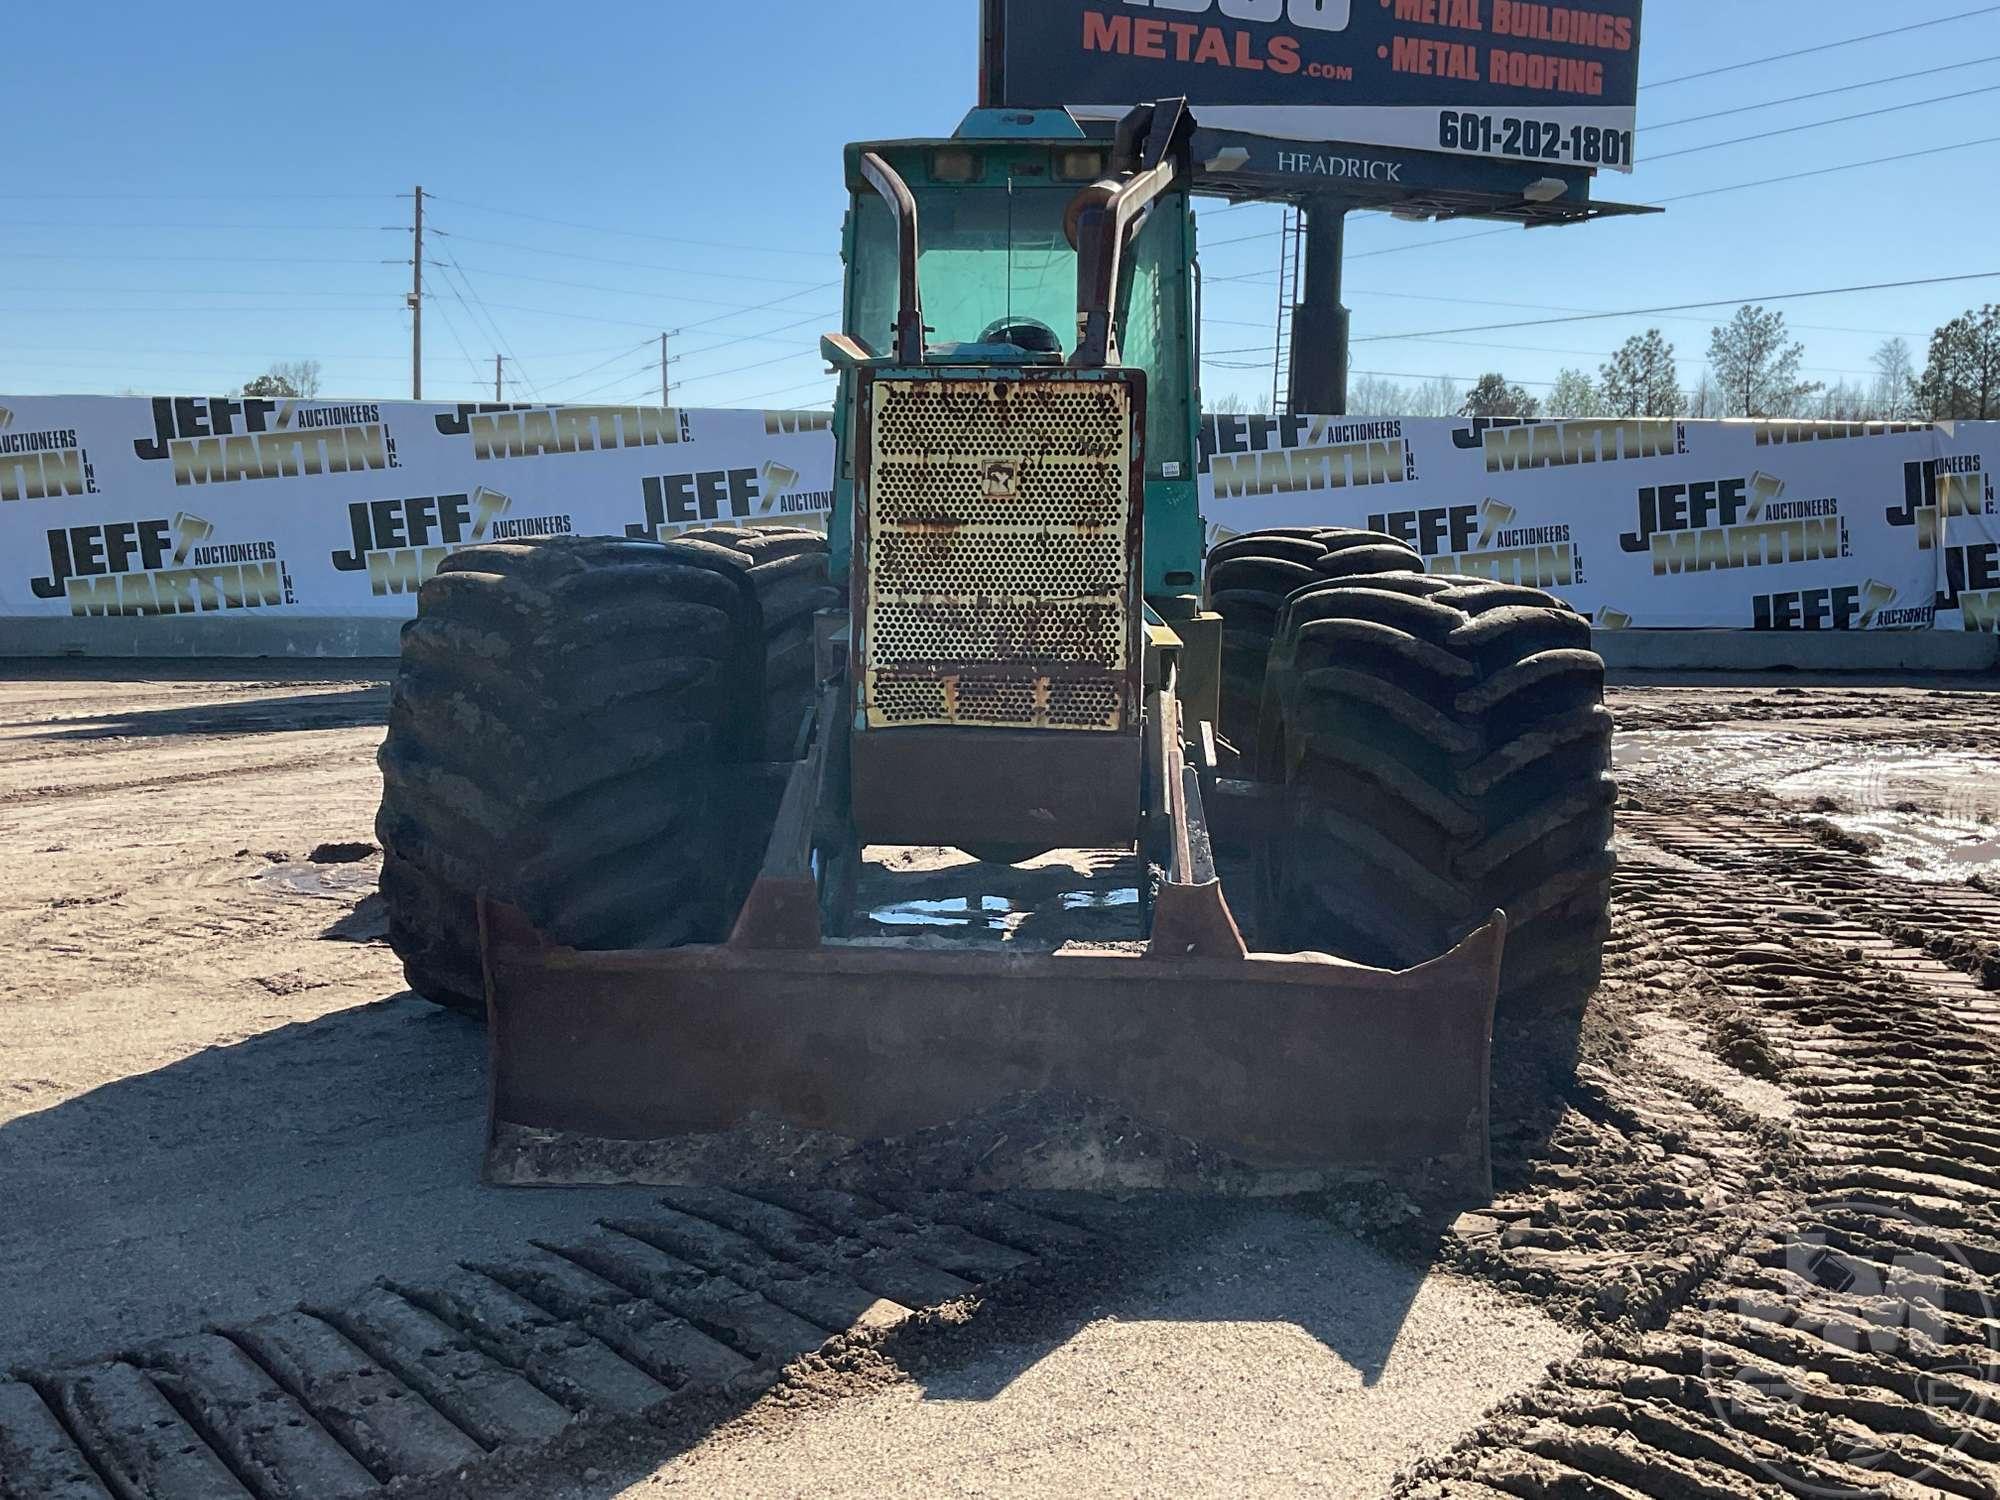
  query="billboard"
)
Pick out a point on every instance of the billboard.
point(1553, 85)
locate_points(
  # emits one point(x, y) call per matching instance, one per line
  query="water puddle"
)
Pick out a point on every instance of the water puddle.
point(1932, 815)
point(1926, 814)
point(344, 882)
point(992, 913)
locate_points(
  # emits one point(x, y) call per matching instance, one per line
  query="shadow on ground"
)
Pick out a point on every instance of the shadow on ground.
point(359, 708)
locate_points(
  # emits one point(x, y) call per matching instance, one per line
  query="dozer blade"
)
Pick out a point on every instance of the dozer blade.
point(646, 1066)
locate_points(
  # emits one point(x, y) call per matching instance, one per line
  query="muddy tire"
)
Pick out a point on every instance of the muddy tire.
point(1249, 578)
point(571, 730)
point(1449, 753)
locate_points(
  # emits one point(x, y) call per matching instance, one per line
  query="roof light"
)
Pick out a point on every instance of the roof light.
point(954, 165)
point(1079, 166)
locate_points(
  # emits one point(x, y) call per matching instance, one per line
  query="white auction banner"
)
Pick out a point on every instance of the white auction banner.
point(193, 505)
point(1956, 511)
point(133, 506)
point(1643, 524)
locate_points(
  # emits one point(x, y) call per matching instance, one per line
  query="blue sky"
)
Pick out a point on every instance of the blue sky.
point(195, 192)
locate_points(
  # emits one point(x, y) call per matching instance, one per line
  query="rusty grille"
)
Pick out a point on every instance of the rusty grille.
point(1004, 702)
point(1000, 536)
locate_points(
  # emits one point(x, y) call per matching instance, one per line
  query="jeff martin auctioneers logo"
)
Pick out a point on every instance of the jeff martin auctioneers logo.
point(399, 542)
point(225, 440)
point(39, 465)
point(159, 567)
point(1748, 521)
point(1488, 540)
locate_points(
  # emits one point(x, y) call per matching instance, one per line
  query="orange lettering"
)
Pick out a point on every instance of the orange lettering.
point(1149, 39)
point(1106, 33)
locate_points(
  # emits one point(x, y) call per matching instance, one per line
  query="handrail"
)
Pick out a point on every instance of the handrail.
point(909, 295)
point(1104, 217)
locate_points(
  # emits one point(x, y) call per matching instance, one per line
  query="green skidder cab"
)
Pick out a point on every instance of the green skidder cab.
point(1015, 481)
point(1000, 283)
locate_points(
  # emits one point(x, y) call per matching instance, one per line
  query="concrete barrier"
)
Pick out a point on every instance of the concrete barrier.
point(244, 633)
point(1798, 650)
point(250, 634)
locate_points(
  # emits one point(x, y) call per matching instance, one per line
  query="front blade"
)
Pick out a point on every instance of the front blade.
point(672, 1066)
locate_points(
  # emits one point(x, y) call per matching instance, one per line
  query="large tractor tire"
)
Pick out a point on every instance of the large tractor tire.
point(1448, 752)
point(1249, 579)
point(572, 731)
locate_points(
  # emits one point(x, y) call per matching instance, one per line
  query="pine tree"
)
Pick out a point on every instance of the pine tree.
point(1641, 380)
point(1758, 366)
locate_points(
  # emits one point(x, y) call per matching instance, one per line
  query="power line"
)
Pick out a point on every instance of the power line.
point(452, 329)
point(499, 337)
point(1852, 41)
point(764, 337)
point(42, 308)
point(201, 260)
point(1595, 353)
point(131, 353)
point(206, 291)
point(1641, 312)
point(1878, 161)
point(788, 390)
point(759, 307)
point(550, 312)
point(1846, 88)
point(593, 369)
point(1766, 135)
point(637, 234)
point(622, 378)
point(71, 224)
point(637, 265)
point(206, 197)
point(589, 286)
point(1560, 307)
point(759, 365)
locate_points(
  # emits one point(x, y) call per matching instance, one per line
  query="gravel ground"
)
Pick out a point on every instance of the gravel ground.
point(1270, 1358)
point(216, 1101)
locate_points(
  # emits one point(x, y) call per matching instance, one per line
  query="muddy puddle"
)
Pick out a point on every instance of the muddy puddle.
point(995, 913)
point(341, 882)
point(1928, 814)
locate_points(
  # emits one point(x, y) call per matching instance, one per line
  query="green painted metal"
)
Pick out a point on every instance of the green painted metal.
point(990, 213)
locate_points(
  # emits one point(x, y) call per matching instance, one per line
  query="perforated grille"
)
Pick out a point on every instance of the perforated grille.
point(1020, 419)
point(1047, 492)
point(1000, 521)
point(1003, 702)
point(1027, 631)
point(979, 561)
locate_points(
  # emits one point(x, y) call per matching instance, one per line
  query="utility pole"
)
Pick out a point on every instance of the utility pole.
point(417, 302)
point(664, 388)
point(496, 379)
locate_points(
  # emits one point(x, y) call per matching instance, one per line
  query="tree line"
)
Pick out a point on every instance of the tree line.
point(1754, 369)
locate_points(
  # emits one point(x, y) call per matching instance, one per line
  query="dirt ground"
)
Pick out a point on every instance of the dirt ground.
point(216, 1101)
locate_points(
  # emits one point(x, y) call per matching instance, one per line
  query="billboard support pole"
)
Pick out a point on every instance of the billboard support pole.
point(1320, 323)
point(992, 54)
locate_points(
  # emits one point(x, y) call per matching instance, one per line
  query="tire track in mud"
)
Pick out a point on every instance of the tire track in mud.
point(1894, 710)
point(1956, 924)
point(1832, 1330)
point(694, 1308)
